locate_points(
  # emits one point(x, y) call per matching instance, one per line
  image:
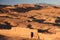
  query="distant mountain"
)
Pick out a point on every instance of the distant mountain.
point(30, 5)
point(25, 7)
point(46, 4)
point(2, 6)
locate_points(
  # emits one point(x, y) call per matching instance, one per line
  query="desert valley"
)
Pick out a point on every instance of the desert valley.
point(29, 22)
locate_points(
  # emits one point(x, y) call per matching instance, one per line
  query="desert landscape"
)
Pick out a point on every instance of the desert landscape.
point(29, 22)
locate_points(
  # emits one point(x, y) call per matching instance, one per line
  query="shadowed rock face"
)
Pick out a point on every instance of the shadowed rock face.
point(25, 9)
point(32, 16)
point(57, 20)
point(3, 37)
point(5, 26)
